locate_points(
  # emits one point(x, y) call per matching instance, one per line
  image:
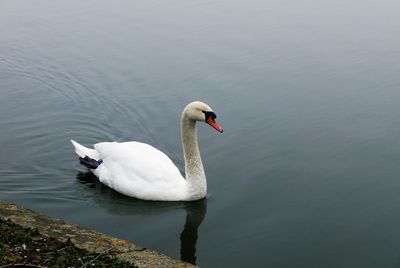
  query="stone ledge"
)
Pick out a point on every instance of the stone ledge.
point(86, 238)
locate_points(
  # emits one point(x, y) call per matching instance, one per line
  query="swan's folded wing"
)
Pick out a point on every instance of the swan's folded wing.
point(136, 167)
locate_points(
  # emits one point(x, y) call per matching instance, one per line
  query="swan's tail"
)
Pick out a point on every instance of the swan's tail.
point(83, 151)
point(87, 157)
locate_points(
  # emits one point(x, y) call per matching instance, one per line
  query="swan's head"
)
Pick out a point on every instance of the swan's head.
point(199, 111)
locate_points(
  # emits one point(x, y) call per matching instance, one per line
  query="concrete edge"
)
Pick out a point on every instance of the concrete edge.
point(87, 238)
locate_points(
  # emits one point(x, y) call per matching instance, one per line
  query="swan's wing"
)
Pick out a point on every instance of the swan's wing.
point(137, 169)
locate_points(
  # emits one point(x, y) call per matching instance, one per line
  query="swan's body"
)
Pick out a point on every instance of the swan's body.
point(139, 170)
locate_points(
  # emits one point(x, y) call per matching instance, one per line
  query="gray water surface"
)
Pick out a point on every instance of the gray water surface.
point(306, 173)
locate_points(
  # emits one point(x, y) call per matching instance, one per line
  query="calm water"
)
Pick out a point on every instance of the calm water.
point(306, 173)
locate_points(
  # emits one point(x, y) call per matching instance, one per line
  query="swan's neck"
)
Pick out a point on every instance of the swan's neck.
point(194, 171)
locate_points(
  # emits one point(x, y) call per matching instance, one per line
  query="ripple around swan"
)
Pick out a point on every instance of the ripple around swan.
point(52, 79)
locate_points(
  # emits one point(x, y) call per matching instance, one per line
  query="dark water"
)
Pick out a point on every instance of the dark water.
point(306, 173)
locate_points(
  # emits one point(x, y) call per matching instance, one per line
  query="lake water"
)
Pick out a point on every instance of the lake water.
point(306, 173)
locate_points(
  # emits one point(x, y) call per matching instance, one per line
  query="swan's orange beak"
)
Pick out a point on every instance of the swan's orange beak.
point(214, 124)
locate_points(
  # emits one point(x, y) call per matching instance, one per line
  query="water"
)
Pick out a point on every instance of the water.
point(308, 93)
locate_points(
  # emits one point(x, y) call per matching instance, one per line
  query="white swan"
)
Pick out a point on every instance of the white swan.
point(139, 170)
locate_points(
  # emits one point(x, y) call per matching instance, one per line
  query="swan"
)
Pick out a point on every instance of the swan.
point(139, 170)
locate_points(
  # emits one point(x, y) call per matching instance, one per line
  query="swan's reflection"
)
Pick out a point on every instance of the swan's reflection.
point(195, 213)
point(117, 203)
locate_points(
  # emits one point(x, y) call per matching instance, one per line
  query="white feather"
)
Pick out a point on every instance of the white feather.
point(82, 151)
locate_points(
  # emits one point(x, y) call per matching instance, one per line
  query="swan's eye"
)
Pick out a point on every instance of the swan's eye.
point(211, 115)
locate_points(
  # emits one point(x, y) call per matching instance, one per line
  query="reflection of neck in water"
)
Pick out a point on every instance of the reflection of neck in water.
point(195, 213)
point(117, 204)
